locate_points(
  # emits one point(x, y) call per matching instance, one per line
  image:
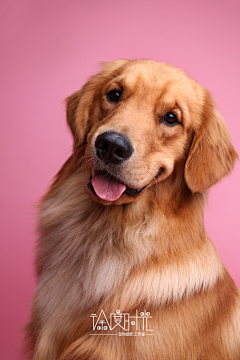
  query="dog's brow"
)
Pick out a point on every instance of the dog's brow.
point(121, 79)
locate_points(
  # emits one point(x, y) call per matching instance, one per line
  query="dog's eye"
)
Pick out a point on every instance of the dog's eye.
point(170, 119)
point(114, 96)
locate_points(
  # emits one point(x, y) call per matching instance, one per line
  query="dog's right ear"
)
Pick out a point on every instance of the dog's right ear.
point(79, 104)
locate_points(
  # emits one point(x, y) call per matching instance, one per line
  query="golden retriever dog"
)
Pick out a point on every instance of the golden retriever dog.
point(126, 270)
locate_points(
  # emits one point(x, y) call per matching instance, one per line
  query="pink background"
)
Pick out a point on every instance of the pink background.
point(48, 50)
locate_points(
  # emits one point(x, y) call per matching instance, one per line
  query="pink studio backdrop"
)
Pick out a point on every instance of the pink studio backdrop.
point(48, 50)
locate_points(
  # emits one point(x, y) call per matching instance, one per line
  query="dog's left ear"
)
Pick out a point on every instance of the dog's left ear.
point(211, 154)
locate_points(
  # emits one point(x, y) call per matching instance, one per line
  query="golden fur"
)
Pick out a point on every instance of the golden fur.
point(149, 251)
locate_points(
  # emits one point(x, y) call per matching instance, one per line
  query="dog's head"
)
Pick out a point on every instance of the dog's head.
point(142, 119)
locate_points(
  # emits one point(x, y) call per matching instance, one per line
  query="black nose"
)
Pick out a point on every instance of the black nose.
point(113, 148)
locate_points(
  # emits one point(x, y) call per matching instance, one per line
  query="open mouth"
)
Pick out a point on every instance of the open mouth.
point(108, 188)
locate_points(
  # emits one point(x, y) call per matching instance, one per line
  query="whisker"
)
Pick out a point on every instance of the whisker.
point(118, 76)
point(151, 166)
point(153, 177)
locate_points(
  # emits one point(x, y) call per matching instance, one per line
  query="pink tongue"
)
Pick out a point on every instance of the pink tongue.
point(107, 189)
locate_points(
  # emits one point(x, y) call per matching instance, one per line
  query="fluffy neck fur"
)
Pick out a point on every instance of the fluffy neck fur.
point(106, 245)
point(94, 257)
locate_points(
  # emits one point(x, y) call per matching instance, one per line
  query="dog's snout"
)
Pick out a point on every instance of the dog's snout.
point(113, 148)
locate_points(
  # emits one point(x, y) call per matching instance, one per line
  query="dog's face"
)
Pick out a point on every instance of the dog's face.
point(140, 121)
